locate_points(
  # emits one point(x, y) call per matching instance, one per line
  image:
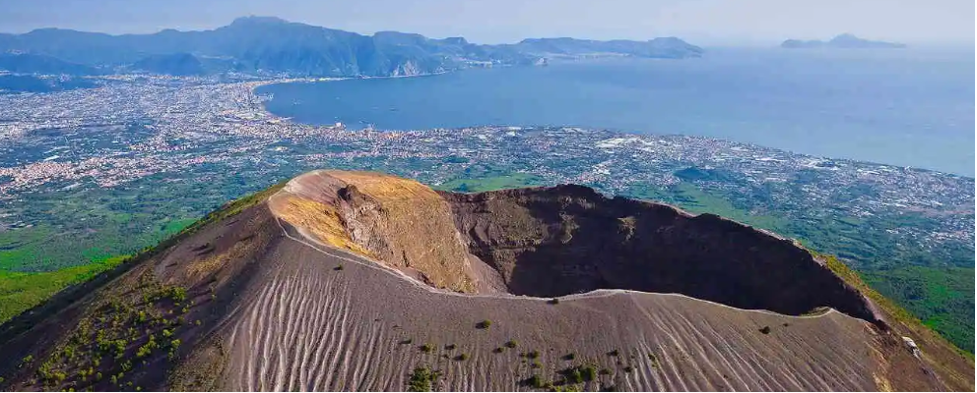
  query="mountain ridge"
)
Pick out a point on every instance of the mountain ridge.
point(270, 45)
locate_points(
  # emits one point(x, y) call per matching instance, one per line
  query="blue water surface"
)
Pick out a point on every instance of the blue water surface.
point(912, 107)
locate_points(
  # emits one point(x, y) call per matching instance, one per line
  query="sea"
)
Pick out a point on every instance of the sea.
point(911, 107)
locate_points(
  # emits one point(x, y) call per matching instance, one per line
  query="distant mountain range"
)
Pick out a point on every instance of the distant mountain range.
point(267, 45)
point(844, 41)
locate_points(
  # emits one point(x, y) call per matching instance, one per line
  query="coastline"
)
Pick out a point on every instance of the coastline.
point(633, 101)
point(619, 132)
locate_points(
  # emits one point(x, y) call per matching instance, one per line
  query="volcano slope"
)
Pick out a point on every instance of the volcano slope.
point(362, 281)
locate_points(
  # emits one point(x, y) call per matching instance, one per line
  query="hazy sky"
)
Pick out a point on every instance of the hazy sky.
point(493, 21)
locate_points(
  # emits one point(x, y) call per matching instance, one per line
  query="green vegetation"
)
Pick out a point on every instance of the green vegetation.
point(501, 182)
point(511, 344)
point(533, 381)
point(654, 360)
point(21, 288)
point(124, 326)
point(84, 225)
point(577, 374)
point(422, 380)
point(426, 348)
point(572, 375)
point(20, 291)
point(48, 248)
point(175, 226)
point(589, 373)
point(693, 199)
point(483, 324)
point(937, 296)
point(125, 323)
point(567, 388)
point(900, 314)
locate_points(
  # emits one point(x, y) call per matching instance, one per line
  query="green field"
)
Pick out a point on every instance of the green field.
point(20, 291)
point(694, 200)
point(941, 297)
point(516, 180)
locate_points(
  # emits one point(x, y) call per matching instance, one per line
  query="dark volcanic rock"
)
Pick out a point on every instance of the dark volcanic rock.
point(570, 239)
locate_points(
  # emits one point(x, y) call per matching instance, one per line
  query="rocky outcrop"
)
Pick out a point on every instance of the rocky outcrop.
point(400, 222)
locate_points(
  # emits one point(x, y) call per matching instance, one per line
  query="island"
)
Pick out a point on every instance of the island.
point(843, 41)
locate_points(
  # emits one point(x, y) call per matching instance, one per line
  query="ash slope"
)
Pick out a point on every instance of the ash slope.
point(349, 280)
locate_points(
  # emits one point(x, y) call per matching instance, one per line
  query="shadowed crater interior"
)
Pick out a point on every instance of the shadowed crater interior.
point(570, 239)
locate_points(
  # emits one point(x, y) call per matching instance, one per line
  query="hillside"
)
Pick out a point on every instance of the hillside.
point(178, 64)
point(271, 45)
point(361, 281)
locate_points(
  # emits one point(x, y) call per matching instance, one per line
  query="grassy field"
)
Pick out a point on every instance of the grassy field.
point(20, 291)
point(516, 180)
point(691, 198)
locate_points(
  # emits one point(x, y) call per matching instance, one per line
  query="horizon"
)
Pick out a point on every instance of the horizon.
point(743, 44)
point(705, 23)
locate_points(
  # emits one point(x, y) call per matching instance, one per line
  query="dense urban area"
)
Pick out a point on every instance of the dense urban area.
point(91, 174)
